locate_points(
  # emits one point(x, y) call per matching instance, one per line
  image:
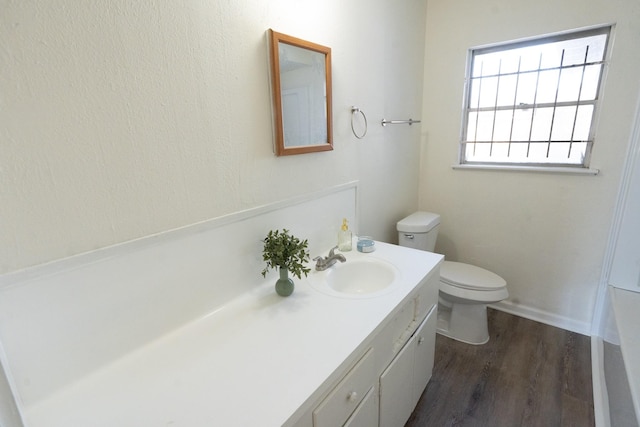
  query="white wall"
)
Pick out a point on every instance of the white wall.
point(544, 233)
point(120, 120)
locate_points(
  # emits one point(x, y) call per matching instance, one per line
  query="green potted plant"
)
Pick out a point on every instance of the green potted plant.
point(286, 253)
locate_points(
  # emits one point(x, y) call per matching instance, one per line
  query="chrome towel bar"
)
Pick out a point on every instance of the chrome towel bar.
point(399, 122)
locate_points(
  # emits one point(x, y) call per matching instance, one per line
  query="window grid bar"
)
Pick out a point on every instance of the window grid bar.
point(536, 141)
point(535, 98)
point(523, 106)
point(555, 102)
point(513, 110)
point(575, 116)
point(539, 69)
point(475, 134)
point(495, 105)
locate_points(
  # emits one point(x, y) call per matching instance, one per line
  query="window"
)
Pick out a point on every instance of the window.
point(533, 103)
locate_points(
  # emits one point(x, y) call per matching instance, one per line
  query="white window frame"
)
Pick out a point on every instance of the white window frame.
point(606, 30)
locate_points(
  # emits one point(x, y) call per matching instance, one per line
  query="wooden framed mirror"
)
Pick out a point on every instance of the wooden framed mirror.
point(301, 92)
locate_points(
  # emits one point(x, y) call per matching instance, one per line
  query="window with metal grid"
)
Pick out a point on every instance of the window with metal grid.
point(533, 103)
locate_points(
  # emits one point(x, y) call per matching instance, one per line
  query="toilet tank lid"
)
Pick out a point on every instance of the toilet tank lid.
point(419, 222)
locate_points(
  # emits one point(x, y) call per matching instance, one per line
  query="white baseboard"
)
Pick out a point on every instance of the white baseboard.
point(541, 316)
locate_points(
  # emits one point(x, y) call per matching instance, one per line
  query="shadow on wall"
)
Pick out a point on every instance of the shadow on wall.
point(446, 247)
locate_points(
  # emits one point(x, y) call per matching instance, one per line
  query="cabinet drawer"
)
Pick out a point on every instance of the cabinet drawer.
point(336, 408)
point(427, 295)
point(366, 415)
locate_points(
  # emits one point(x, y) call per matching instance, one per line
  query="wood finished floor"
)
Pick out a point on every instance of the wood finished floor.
point(528, 374)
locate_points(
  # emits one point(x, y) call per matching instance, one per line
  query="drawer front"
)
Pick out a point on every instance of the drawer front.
point(336, 408)
point(366, 415)
point(427, 295)
point(394, 335)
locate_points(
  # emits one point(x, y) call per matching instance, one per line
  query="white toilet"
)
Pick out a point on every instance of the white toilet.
point(465, 290)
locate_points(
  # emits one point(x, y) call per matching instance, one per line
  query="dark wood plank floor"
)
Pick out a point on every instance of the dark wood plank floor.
point(528, 374)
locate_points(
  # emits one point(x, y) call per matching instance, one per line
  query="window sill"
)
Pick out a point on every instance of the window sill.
point(543, 169)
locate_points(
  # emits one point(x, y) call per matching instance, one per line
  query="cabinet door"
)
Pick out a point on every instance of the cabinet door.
point(425, 343)
point(396, 388)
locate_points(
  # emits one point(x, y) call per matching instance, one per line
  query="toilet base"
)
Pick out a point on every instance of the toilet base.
point(463, 322)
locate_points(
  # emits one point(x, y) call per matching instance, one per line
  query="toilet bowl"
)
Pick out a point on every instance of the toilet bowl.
point(465, 290)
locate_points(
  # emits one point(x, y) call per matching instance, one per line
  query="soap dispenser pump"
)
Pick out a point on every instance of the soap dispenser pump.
point(344, 237)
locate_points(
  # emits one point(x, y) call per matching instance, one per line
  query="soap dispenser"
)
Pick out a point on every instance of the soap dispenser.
point(344, 237)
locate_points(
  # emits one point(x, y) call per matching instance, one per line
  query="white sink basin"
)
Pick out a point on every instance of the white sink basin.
point(360, 278)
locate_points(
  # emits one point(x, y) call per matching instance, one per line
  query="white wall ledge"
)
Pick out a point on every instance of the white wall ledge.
point(542, 169)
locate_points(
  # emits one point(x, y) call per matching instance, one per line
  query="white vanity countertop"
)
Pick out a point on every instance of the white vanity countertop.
point(253, 362)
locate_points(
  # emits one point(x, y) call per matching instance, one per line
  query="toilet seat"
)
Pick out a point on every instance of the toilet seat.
point(470, 277)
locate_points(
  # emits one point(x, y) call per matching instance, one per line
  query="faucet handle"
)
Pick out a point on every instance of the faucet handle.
point(321, 262)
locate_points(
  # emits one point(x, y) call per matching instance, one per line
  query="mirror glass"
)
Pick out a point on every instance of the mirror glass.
point(301, 89)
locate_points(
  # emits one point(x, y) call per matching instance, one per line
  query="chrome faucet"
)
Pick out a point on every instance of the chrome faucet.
point(322, 263)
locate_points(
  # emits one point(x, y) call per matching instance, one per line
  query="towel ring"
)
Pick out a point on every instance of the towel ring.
point(354, 111)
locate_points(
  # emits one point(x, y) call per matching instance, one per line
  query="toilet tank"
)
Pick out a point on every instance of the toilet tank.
point(419, 231)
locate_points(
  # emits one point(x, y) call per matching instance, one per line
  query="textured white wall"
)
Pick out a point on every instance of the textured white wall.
point(544, 233)
point(121, 119)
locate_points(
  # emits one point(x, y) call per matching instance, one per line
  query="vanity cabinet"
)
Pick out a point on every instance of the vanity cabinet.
point(404, 380)
point(385, 384)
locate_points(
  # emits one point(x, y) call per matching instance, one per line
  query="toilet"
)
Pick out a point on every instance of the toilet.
point(465, 290)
